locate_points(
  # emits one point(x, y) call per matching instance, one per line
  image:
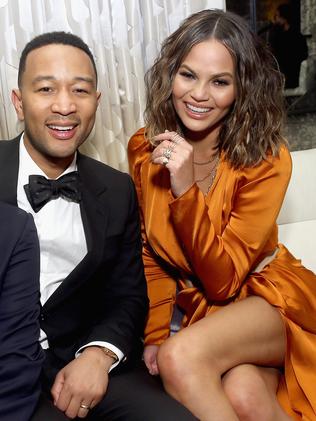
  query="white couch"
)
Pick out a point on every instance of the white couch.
point(297, 218)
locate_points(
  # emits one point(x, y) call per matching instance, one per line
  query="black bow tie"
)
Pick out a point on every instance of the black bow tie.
point(40, 190)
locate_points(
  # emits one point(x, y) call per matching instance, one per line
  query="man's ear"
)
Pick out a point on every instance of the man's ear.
point(16, 98)
point(98, 97)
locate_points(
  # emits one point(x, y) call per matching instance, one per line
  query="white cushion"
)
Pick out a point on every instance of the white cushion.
point(300, 239)
point(300, 200)
point(297, 218)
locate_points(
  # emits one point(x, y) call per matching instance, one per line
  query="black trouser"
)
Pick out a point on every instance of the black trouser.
point(132, 395)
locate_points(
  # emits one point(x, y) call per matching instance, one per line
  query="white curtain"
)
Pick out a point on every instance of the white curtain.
point(125, 37)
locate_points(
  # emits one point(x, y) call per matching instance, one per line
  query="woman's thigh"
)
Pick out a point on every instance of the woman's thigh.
point(248, 331)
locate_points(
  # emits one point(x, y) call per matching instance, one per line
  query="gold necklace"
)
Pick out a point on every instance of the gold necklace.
point(209, 161)
point(214, 159)
point(213, 171)
point(211, 175)
point(199, 180)
point(206, 162)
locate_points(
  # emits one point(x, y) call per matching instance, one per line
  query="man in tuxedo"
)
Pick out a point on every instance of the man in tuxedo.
point(93, 291)
point(21, 356)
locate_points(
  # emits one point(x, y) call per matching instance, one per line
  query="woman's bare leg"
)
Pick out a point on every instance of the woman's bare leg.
point(192, 362)
point(252, 390)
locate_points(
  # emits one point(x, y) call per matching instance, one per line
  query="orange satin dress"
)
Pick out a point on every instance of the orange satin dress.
point(216, 241)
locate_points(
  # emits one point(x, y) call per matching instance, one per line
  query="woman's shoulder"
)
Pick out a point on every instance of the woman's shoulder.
point(138, 147)
point(137, 141)
point(281, 161)
point(278, 163)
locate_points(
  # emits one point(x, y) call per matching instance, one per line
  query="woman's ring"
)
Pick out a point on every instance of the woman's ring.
point(83, 406)
point(176, 138)
point(165, 160)
point(167, 153)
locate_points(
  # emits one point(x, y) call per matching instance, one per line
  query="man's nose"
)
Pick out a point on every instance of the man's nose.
point(64, 103)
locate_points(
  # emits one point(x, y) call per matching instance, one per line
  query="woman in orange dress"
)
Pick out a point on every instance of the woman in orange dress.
point(211, 169)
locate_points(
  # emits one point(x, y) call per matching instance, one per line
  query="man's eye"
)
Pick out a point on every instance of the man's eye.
point(45, 89)
point(81, 91)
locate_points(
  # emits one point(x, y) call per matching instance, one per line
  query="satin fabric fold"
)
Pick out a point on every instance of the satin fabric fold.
point(220, 239)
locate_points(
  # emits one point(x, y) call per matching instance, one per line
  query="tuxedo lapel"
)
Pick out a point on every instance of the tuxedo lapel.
point(94, 213)
point(94, 210)
point(9, 169)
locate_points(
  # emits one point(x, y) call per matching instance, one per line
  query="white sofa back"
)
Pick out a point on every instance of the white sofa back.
point(297, 218)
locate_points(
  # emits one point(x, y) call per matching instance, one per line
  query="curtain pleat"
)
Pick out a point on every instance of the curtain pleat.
point(125, 37)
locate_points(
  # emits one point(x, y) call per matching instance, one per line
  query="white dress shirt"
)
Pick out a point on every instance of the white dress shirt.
point(61, 237)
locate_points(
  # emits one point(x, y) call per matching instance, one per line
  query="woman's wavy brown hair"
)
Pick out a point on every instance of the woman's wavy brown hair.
point(253, 126)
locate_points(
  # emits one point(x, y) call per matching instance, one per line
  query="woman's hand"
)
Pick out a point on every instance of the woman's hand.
point(150, 358)
point(176, 154)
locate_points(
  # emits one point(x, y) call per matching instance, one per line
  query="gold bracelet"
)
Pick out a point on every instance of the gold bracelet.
point(109, 353)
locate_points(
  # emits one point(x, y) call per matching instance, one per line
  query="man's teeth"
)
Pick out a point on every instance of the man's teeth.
point(62, 128)
point(197, 109)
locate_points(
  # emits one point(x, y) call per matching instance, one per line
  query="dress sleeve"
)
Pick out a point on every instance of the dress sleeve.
point(161, 286)
point(223, 261)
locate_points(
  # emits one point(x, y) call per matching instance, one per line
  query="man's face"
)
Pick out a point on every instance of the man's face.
point(57, 101)
point(278, 19)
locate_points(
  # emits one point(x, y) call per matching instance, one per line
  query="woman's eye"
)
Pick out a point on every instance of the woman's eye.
point(187, 75)
point(221, 82)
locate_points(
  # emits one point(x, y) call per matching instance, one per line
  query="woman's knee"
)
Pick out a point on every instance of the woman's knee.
point(171, 359)
point(179, 361)
point(249, 394)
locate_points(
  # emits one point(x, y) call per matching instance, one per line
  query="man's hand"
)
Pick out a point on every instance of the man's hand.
point(82, 382)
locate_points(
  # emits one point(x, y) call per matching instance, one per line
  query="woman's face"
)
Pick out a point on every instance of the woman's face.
point(204, 87)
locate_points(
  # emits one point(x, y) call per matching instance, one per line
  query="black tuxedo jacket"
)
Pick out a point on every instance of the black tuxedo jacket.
point(21, 356)
point(104, 297)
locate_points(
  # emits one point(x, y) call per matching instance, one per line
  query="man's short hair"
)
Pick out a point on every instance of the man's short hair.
point(64, 38)
point(286, 12)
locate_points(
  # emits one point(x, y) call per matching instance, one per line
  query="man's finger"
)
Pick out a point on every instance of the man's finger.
point(57, 386)
point(64, 399)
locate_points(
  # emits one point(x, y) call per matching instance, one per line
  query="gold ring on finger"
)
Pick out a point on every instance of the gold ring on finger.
point(172, 145)
point(176, 138)
point(84, 406)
